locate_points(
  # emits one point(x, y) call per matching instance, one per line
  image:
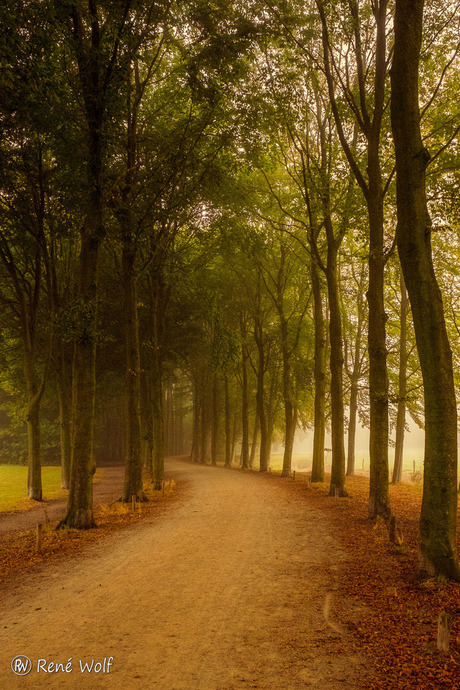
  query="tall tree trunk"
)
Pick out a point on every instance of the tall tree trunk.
point(379, 498)
point(260, 399)
point(158, 422)
point(255, 436)
point(288, 398)
point(196, 440)
point(355, 375)
point(215, 419)
point(317, 472)
point(352, 427)
point(438, 520)
point(133, 467)
point(34, 394)
point(337, 486)
point(64, 389)
point(228, 440)
point(402, 386)
point(244, 401)
point(146, 420)
point(80, 501)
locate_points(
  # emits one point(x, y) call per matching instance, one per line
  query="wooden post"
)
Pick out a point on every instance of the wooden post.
point(444, 622)
point(413, 468)
point(363, 463)
point(293, 475)
point(169, 482)
point(163, 487)
point(38, 547)
point(133, 499)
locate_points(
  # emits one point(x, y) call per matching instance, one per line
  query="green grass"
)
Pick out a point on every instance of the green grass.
point(13, 487)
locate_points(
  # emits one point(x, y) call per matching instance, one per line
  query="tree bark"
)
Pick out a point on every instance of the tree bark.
point(215, 419)
point(64, 388)
point(255, 436)
point(337, 485)
point(133, 467)
point(228, 439)
point(438, 520)
point(402, 386)
point(260, 397)
point(80, 501)
point(244, 401)
point(317, 472)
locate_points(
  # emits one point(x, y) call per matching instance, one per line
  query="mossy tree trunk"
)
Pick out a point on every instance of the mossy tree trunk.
point(438, 520)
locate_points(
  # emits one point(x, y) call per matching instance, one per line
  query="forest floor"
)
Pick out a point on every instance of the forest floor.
point(236, 580)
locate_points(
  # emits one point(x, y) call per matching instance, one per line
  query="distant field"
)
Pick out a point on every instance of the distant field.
point(13, 486)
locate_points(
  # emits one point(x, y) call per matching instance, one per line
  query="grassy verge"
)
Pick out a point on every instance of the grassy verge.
point(13, 487)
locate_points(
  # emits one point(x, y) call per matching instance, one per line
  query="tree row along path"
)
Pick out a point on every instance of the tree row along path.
point(234, 586)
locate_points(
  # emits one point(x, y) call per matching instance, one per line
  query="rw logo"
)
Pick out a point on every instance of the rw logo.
point(21, 665)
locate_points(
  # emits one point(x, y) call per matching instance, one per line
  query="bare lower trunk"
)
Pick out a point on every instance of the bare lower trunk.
point(244, 405)
point(34, 477)
point(215, 419)
point(133, 466)
point(337, 485)
point(80, 502)
point(255, 436)
point(228, 440)
point(402, 387)
point(64, 388)
point(352, 428)
point(379, 500)
point(158, 427)
point(196, 441)
point(317, 472)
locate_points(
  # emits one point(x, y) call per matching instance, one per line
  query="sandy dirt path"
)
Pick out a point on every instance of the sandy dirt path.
point(224, 590)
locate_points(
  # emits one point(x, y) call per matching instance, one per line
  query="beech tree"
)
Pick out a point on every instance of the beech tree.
point(438, 518)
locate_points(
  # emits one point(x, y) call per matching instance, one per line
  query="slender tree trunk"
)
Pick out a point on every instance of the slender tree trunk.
point(255, 436)
point(317, 473)
point(354, 383)
point(228, 441)
point(260, 399)
point(34, 478)
point(158, 423)
point(379, 498)
point(133, 467)
point(337, 486)
point(244, 402)
point(402, 386)
point(64, 389)
point(438, 520)
point(215, 419)
point(352, 427)
point(146, 420)
point(196, 450)
point(289, 403)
